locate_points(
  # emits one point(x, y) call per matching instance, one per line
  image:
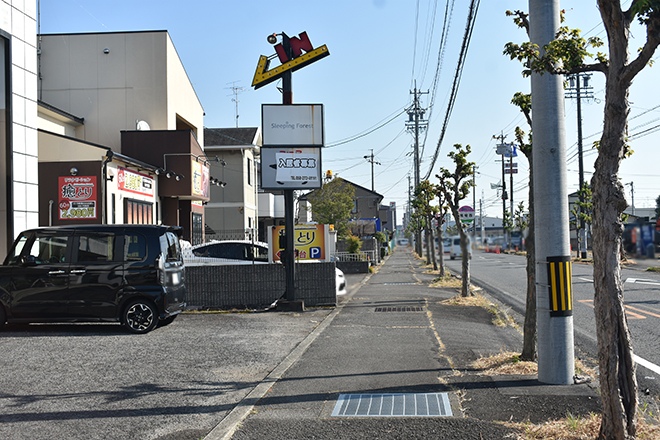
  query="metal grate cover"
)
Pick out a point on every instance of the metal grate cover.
point(399, 309)
point(393, 405)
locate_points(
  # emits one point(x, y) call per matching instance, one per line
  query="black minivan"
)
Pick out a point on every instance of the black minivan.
point(132, 274)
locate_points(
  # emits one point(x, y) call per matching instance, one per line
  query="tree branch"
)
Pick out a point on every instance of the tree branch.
point(652, 42)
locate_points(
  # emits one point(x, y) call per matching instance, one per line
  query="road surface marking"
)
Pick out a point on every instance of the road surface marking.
point(641, 281)
point(629, 314)
point(644, 363)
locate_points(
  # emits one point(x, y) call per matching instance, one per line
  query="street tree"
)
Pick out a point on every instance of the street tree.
point(424, 195)
point(332, 204)
point(440, 216)
point(582, 211)
point(455, 186)
point(524, 103)
point(570, 53)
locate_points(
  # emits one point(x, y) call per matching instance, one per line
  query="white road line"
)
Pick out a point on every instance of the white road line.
point(641, 281)
point(644, 363)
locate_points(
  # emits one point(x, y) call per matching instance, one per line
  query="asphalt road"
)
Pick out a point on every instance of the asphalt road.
point(504, 275)
point(176, 383)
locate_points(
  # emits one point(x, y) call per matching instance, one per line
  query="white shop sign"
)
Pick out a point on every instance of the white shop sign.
point(295, 124)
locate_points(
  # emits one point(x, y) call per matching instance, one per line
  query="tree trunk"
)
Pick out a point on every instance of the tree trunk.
point(615, 357)
point(441, 251)
point(529, 327)
point(434, 260)
point(427, 236)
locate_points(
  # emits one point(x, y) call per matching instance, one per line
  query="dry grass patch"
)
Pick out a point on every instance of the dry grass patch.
point(500, 318)
point(577, 428)
point(446, 281)
point(505, 363)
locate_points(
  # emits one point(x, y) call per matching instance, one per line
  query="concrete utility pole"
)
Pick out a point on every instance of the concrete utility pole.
point(574, 90)
point(370, 159)
point(554, 303)
point(501, 146)
point(416, 123)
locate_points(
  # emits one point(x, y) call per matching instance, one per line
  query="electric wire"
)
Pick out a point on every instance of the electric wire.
point(472, 15)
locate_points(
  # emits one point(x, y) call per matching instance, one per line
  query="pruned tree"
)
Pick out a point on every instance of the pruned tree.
point(440, 216)
point(455, 186)
point(570, 53)
point(332, 204)
point(424, 195)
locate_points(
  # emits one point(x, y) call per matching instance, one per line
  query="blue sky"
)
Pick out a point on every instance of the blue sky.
point(379, 50)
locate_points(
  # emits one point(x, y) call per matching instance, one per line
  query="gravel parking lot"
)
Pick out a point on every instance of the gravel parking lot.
point(96, 381)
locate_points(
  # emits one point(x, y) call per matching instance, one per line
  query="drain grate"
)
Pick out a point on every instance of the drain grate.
point(400, 309)
point(393, 405)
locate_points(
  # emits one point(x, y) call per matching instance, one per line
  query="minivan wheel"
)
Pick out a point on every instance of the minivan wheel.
point(140, 316)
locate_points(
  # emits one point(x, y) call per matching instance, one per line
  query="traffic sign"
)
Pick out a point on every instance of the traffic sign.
point(466, 213)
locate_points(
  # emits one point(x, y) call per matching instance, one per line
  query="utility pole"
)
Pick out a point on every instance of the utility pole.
point(501, 150)
point(416, 123)
point(574, 90)
point(554, 304)
point(632, 195)
point(511, 193)
point(370, 158)
point(474, 200)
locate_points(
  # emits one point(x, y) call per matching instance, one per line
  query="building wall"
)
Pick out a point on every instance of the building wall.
point(138, 78)
point(19, 198)
point(235, 205)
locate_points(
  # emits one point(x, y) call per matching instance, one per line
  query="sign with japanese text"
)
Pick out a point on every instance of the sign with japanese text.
point(77, 197)
point(134, 182)
point(291, 168)
point(308, 239)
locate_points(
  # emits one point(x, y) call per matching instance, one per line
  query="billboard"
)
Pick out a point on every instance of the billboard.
point(292, 124)
point(308, 239)
point(134, 182)
point(78, 197)
point(291, 168)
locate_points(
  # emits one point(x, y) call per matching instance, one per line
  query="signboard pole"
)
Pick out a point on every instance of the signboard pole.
point(290, 251)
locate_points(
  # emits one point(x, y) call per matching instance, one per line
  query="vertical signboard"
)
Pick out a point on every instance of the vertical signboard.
point(77, 197)
point(309, 241)
point(200, 180)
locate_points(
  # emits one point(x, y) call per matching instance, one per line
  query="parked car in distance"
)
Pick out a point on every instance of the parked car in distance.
point(220, 253)
point(455, 251)
point(132, 274)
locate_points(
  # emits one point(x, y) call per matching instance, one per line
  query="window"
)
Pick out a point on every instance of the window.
point(260, 253)
point(169, 243)
point(49, 249)
point(93, 248)
point(197, 229)
point(137, 212)
point(136, 247)
point(249, 171)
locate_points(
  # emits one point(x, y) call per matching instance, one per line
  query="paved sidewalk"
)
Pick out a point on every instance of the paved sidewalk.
point(399, 364)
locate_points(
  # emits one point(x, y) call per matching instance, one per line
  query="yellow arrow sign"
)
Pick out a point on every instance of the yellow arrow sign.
point(264, 76)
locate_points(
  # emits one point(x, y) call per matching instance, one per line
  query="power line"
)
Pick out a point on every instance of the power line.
point(472, 16)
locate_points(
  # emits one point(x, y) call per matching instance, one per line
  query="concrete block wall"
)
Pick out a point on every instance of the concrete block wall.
point(258, 286)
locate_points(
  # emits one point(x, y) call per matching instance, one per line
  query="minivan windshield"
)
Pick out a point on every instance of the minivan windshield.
point(12, 258)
